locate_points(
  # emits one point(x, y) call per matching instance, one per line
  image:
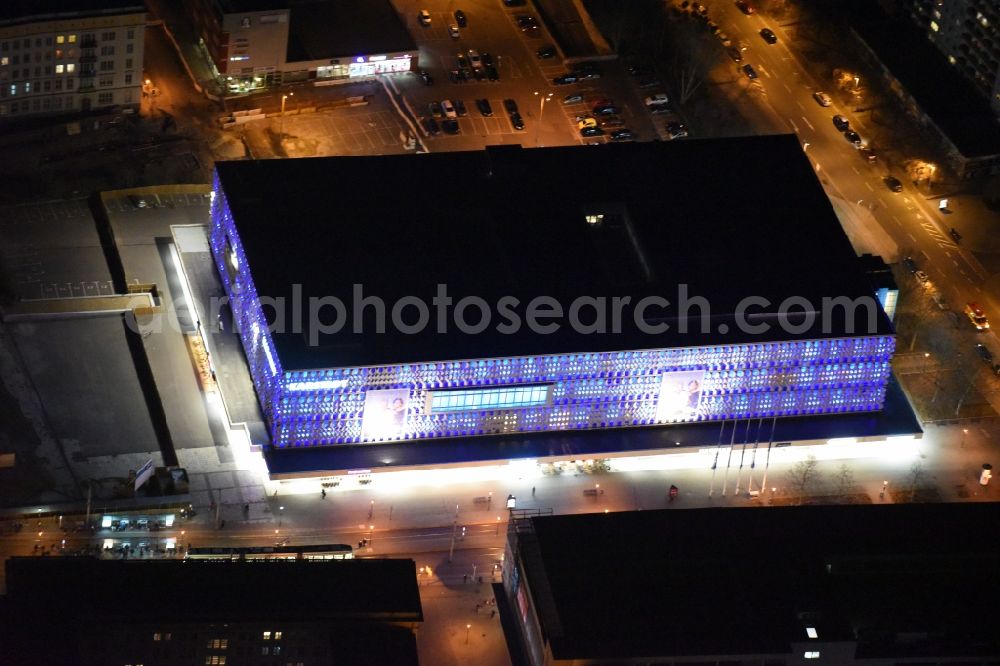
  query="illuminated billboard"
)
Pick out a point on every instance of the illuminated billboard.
point(384, 414)
point(680, 396)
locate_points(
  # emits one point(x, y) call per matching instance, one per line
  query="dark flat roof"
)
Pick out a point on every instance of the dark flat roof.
point(950, 100)
point(205, 590)
point(897, 418)
point(323, 29)
point(731, 581)
point(24, 11)
point(729, 218)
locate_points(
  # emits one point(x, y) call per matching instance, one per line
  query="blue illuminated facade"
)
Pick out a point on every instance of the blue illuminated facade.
point(470, 397)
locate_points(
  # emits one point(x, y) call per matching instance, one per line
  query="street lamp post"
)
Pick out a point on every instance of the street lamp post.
point(467, 628)
point(542, 99)
point(371, 533)
point(965, 431)
point(281, 514)
point(281, 121)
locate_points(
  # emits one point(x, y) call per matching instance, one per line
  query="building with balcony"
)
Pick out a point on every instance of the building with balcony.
point(259, 43)
point(967, 32)
point(371, 320)
point(69, 57)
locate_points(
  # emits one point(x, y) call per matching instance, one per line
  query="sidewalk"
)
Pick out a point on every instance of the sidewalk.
point(181, 34)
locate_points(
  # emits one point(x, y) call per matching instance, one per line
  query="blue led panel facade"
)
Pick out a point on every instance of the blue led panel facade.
point(574, 391)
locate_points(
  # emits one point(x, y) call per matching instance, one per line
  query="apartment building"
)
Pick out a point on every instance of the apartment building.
point(66, 56)
point(968, 33)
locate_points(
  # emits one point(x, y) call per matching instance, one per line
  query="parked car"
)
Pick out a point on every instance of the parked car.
point(656, 100)
point(591, 131)
point(487, 59)
point(623, 135)
point(822, 98)
point(527, 24)
point(460, 18)
point(547, 51)
point(517, 121)
point(637, 70)
point(735, 54)
point(650, 83)
point(868, 154)
point(984, 353)
point(608, 110)
point(475, 59)
point(750, 72)
point(585, 121)
point(431, 126)
point(769, 36)
point(450, 126)
point(613, 121)
point(435, 109)
point(484, 107)
point(425, 17)
point(448, 109)
point(977, 316)
point(600, 101)
point(463, 62)
point(587, 70)
point(492, 73)
point(910, 264)
point(922, 277)
point(426, 78)
point(841, 123)
point(853, 137)
point(565, 79)
point(676, 130)
point(460, 108)
point(453, 31)
point(510, 106)
point(514, 3)
point(573, 99)
point(893, 183)
point(745, 7)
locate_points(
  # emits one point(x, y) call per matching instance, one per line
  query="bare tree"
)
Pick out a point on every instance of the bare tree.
point(802, 475)
point(844, 479)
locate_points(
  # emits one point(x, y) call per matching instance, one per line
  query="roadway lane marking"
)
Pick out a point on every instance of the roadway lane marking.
point(897, 219)
point(956, 263)
point(947, 254)
point(786, 87)
point(912, 238)
point(806, 121)
point(855, 170)
point(869, 186)
point(792, 123)
point(800, 105)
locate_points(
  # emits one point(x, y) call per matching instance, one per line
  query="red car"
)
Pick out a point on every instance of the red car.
point(745, 7)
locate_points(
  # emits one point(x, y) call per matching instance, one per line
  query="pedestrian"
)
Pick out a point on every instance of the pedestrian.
point(532, 491)
point(465, 578)
point(478, 606)
point(493, 613)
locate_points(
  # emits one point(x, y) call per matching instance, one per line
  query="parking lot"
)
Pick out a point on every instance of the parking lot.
point(51, 250)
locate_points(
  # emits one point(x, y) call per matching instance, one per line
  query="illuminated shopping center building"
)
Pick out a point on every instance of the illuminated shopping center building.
point(306, 247)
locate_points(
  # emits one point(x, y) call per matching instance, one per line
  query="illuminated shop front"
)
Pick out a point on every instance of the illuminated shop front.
point(366, 66)
point(464, 397)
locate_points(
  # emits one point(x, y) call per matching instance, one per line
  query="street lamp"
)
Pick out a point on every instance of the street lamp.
point(498, 526)
point(281, 514)
point(467, 628)
point(281, 122)
point(542, 99)
point(965, 431)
